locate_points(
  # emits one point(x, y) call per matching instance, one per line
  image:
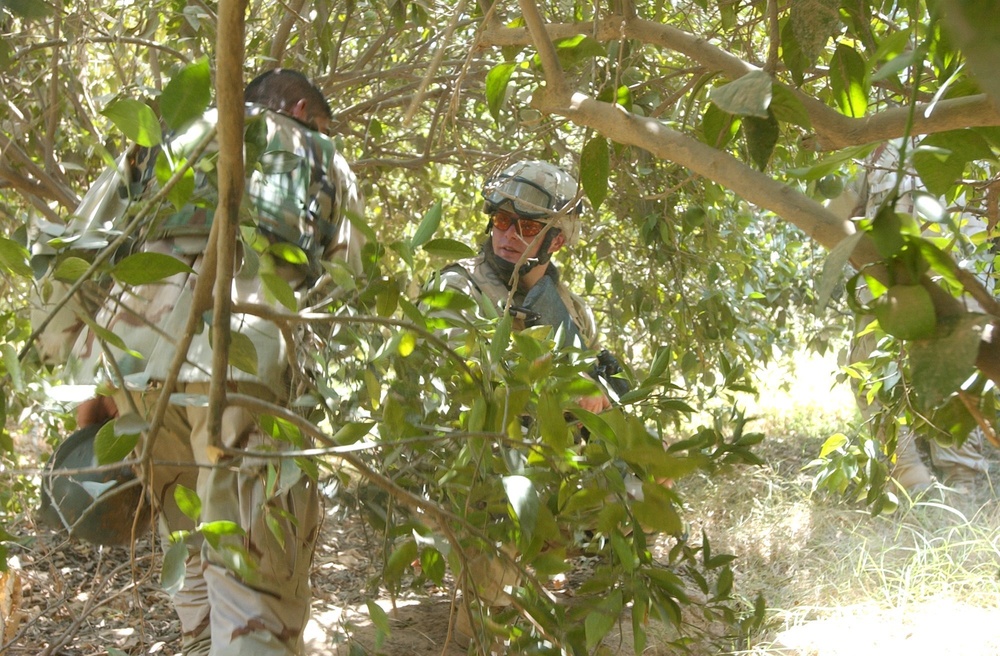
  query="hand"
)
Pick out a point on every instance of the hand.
point(594, 404)
point(95, 411)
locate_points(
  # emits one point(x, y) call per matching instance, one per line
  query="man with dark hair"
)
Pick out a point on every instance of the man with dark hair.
point(290, 92)
point(247, 591)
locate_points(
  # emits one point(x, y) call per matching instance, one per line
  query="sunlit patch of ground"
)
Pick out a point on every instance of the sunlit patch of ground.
point(941, 625)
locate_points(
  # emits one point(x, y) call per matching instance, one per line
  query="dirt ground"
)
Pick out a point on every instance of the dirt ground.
point(76, 599)
point(73, 599)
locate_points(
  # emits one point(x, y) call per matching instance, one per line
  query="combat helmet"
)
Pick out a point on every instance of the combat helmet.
point(536, 190)
point(97, 504)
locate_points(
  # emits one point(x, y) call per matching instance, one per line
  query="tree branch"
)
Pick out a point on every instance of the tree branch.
point(555, 81)
point(833, 130)
point(52, 187)
point(229, 94)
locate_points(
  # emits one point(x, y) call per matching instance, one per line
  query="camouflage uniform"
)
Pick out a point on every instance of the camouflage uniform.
point(305, 201)
point(475, 277)
point(959, 466)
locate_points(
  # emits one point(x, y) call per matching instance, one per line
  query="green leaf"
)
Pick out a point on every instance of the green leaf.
point(399, 561)
point(552, 421)
point(71, 269)
point(524, 500)
point(27, 9)
point(496, 87)
point(242, 353)
point(433, 565)
point(501, 337)
point(849, 82)
point(621, 96)
point(886, 231)
point(360, 223)
point(381, 621)
point(656, 512)
point(112, 445)
point(832, 443)
point(136, 120)
point(449, 248)
point(940, 159)
point(833, 268)
point(174, 568)
point(183, 189)
point(577, 49)
point(660, 362)
point(352, 432)
point(761, 136)
point(718, 127)
point(940, 366)
point(188, 501)
point(288, 252)
point(787, 108)
point(601, 619)
point(279, 288)
point(976, 32)
point(792, 55)
point(145, 268)
point(898, 63)
point(895, 49)
point(428, 226)
point(13, 365)
point(274, 527)
point(108, 337)
point(14, 257)
point(215, 531)
point(748, 96)
point(187, 95)
point(595, 168)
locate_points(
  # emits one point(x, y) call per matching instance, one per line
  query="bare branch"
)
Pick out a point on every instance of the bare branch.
point(555, 81)
point(833, 130)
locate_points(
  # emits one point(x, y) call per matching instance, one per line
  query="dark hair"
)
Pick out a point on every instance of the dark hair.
point(280, 88)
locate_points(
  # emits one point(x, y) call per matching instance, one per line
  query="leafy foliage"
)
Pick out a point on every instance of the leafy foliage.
point(702, 255)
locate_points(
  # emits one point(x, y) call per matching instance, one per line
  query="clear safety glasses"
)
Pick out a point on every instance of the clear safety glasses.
point(526, 198)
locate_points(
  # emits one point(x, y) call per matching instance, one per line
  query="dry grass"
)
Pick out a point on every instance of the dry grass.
point(836, 579)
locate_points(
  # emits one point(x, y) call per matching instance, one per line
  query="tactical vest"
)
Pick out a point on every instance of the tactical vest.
point(488, 285)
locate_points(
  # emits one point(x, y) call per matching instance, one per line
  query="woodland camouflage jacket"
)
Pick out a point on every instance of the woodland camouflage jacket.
point(301, 192)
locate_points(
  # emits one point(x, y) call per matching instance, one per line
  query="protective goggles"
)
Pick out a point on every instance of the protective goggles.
point(525, 197)
point(527, 228)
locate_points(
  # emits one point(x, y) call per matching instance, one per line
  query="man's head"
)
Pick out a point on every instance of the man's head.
point(521, 201)
point(290, 92)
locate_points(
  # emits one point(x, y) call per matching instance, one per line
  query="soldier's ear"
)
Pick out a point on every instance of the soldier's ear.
point(300, 111)
point(557, 242)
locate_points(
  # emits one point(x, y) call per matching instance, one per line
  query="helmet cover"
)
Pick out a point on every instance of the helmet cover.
point(537, 190)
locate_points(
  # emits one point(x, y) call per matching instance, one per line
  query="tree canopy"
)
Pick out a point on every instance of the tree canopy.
point(707, 137)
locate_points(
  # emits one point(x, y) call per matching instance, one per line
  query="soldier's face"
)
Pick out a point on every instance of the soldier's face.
point(511, 245)
point(519, 237)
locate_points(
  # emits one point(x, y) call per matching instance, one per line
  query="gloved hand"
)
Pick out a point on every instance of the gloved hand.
point(544, 300)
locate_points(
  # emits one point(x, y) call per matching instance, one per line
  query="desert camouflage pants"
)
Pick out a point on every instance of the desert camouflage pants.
point(263, 609)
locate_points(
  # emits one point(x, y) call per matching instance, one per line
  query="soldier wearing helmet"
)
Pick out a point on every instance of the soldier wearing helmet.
point(534, 210)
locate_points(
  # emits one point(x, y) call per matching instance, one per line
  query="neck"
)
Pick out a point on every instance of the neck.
point(531, 278)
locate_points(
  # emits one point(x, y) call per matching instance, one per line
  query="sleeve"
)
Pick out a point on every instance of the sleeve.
point(92, 226)
point(583, 317)
point(348, 210)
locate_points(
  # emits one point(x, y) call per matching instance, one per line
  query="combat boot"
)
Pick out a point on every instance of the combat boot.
point(961, 480)
point(910, 471)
